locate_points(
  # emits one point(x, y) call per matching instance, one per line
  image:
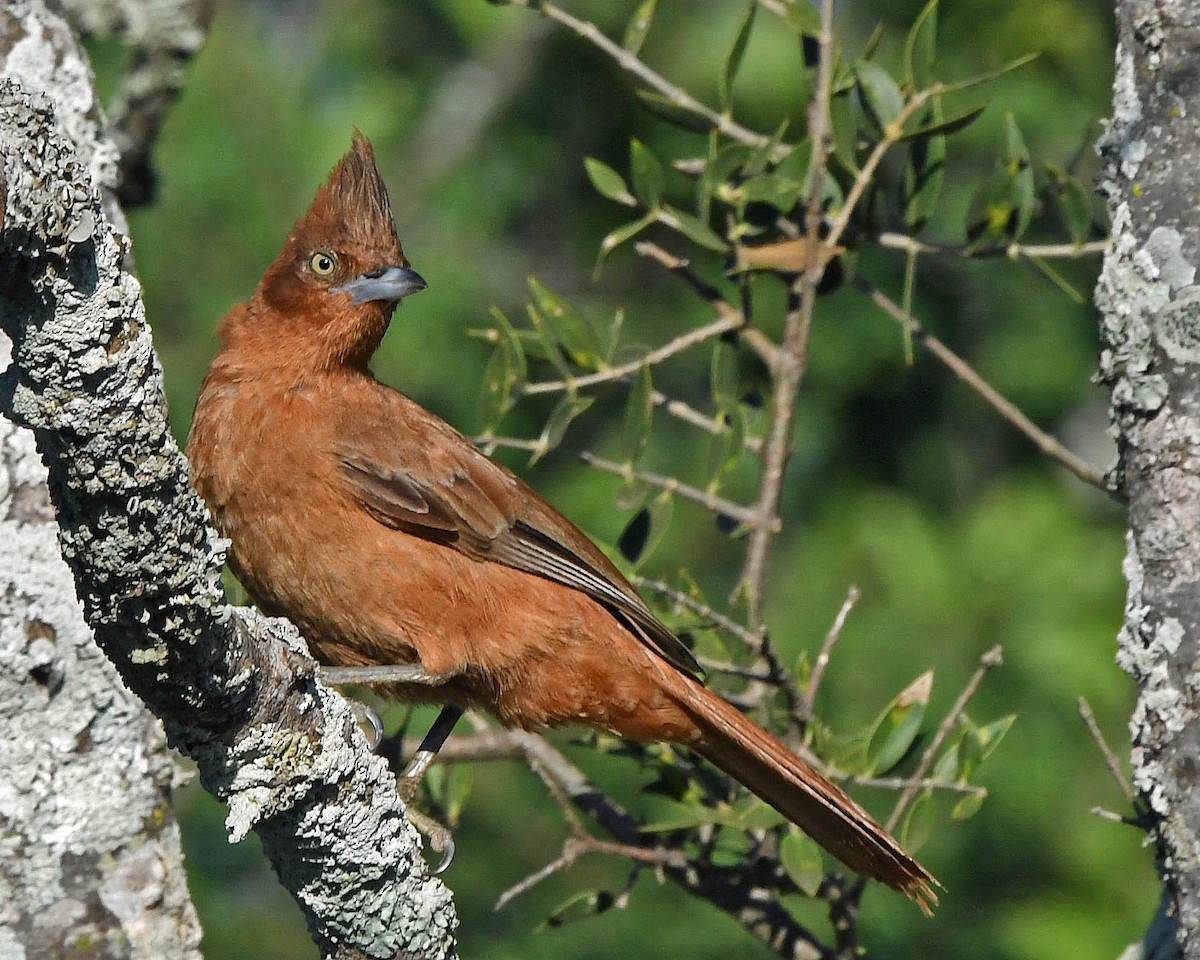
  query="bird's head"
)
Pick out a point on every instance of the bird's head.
point(342, 271)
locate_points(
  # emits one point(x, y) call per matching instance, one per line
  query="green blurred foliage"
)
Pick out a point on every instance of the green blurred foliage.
point(959, 534)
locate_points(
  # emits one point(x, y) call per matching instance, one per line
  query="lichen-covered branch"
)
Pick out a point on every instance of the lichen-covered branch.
point(235, 691)
point(1150, 360)
point(164, 36)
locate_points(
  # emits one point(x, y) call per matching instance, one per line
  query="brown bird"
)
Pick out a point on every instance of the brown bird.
point(388, 538)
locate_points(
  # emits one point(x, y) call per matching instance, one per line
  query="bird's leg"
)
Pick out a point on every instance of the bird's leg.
point(439, 836)
point(426, 753)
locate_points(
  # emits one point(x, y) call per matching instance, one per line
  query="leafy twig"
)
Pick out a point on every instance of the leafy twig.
point(631, 64)
point(992, 658)
point(665, 352)
point(710, 501)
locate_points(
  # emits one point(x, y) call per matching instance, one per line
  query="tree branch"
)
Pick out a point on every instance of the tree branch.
point(236, 692)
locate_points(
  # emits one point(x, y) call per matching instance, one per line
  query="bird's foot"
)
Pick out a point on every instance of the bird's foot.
point(440, 839)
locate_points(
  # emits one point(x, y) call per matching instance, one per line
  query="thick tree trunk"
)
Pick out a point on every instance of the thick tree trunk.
point(90, 862)
point(236, 692)
point(1150, 329)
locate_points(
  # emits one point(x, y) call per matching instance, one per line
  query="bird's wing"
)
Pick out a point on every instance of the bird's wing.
point(453, 494)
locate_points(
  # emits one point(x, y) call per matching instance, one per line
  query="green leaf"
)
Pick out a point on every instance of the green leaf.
point(495, 396)
point(721, 168)
point(733, 61)
point(919, 823)
point(452, 789)
point(639, 26)
point(1021, 170)
point(681, 816)
point(506, 369)
point(872, 43)
point(567, 409)
point(946, 768)
point(989, 736)
point(764, 156)
point(675, 113)
point(968, 805)
point(803, 17)
point(570, 328)
point(756, 814)
point(924, 173)
point(581, 906)
point(880, 93)
point(1074, 202)
point(621, 235)
point(970, 751)
point(898, 725)
point(991, 75)
point(919, 48)
point(729, 446)
point(801, 858)
point(943, 127)
point(608, 182)
point(630, 494)
point(723, 375)
point(780, 193)
point(843, 117)
point(695, 229)
point(662, 509)
point(647, 173)
point(639, 410)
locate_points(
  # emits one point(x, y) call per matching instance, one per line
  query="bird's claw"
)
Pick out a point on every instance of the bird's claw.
point(439, 837)
point(369, 722)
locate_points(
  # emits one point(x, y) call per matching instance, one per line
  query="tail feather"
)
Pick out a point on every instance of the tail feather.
point(826, 813)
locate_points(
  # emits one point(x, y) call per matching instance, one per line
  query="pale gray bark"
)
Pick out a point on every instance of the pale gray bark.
point(90, 860)
point(236, 692)
point(1150, 329)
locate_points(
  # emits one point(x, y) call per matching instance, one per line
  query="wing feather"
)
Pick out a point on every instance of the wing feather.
point(471, 505)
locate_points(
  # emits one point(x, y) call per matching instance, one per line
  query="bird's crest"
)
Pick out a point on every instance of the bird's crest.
point(353, 203)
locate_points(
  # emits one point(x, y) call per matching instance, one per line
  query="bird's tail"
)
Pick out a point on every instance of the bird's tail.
point(760, 762)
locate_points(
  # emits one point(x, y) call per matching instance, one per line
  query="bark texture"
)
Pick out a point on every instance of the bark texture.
point(236, 692)
point(1150, 329)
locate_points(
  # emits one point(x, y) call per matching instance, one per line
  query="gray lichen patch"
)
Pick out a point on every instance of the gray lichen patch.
point(1177, 325)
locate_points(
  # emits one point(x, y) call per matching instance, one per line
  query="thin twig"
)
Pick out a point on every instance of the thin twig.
point(665, 352)
point(831, 637)
point(1110, 758)
point(1013, 251)
point(692, 416)
point(906, 783)
point(791, 357)
point(655, 81)
point(710, 501)
point(697, 607)
point(963, 370)
point(755, 339)
point(576, 846)
point(866, 174)
point(992, 658)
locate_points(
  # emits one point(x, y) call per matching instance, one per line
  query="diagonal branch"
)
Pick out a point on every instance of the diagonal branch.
point(236, 692)
point(1009, 411)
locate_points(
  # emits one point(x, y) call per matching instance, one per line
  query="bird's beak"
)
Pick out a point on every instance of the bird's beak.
point(386, 283)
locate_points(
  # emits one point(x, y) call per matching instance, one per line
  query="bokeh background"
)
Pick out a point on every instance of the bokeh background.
point(958, 533)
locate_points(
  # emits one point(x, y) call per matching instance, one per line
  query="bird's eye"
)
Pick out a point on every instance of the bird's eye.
point(322, 263)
